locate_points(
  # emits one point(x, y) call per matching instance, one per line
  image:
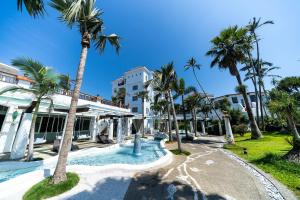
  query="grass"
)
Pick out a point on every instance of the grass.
point(43, 189)
point(183, 152)
point(267, 154)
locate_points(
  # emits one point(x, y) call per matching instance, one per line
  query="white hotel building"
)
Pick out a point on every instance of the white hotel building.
point(94, 116)
point(134, 82)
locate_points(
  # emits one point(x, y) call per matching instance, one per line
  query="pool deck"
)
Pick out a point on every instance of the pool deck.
point(44, 151)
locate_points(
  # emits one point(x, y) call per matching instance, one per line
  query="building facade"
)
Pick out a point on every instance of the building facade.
point(94, 116)
point(237, 102)
point(134, 82)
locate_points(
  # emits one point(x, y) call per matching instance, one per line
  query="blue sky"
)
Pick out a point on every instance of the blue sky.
point(154, 32)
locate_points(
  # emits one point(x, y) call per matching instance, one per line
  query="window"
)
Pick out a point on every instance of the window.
point(234, 100)
point(49, 124)
point(134, 109)
point(135, 87)
point(134, 98)
point(253, 98)
point(242, 102)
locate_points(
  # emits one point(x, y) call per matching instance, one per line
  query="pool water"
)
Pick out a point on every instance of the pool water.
point(151, 151)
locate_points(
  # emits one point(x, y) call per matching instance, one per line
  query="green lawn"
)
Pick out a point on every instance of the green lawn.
point(266, 154)
point(43, 189)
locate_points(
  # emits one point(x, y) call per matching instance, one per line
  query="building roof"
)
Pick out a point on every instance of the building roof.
point(8, 69)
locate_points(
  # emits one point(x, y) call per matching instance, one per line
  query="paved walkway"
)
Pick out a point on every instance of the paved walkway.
point(206, 174)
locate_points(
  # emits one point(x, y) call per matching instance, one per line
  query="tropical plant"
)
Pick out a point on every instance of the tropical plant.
point(34, 8)
point(252, 27)
point(228, 50)
point(159, 108)
point(84, 15)
point(192, 64)
point(286, 105)
point(143, 95)
point(181, 90)
point(163, 84)
point(119, 98)
point(194, 102)
point(44, 83)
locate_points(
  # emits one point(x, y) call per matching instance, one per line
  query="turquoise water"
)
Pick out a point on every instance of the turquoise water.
point(151, 151)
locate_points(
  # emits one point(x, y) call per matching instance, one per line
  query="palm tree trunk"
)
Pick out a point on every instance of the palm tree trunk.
point(32, 130)
point(255, 132)
point(195, 122)
point(254, 81)
point(293, 128)
point(206, 96)
point(169, 119)
point(184, 117)
point(175, 121)
point(60, 170)
point(261, 106)
point(143, 121)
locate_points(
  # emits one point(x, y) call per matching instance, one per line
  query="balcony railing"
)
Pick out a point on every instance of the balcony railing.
point(88, 97)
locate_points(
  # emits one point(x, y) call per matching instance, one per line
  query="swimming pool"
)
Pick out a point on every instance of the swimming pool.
point(151, 151)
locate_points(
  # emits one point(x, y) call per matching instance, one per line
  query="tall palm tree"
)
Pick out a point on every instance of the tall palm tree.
point(228, 50)
point(192, 64)
point(181, 90)
point(84, 15)
point(163, 83)
point(44, 83)
point(252, 27)
point(143, 95)
point(34, 8)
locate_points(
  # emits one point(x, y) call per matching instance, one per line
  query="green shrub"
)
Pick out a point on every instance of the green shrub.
point(240, 129)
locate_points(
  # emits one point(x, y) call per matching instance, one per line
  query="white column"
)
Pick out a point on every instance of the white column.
point(19, 146)
point(128, 124)
point(111, 129)
point(229, 135)
point(220, 127)
point(203, 127)
point(9, 129)
point(191, 126)
point(93, 128)
point(119, 130)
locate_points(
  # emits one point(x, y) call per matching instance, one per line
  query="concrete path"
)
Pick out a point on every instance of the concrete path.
point(206, 174)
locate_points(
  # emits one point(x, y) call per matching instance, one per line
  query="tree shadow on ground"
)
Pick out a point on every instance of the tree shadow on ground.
point(112, 188)
point(150, 186)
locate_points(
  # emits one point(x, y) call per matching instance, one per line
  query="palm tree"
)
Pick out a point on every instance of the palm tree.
point(159, 108)
point(119, 99)
point(252, 27)
point(192, 64)
point(34, 8)
point(228, 50)
point(193, 102)
point(84, 15)
point(163, 83)
point(181, 90)
point(44, 83)
point(143, 95)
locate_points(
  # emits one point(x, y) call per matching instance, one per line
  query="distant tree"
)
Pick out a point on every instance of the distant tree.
point(181, 90)
point(119, 98)
point(143, 95)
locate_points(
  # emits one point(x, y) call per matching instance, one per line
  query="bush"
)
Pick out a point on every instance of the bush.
point(237, 117)
point(240, 129)
point(274, 124)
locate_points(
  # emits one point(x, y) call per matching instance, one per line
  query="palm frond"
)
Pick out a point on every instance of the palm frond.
point(35, 8)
